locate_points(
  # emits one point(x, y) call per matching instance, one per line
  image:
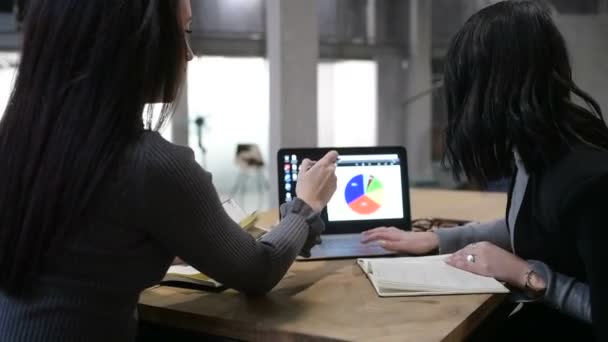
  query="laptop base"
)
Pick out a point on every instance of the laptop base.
point(345, 246)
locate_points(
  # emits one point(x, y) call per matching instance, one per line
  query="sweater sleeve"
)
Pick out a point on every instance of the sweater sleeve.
point(563, 293)
point(185, 215)
point(454, 239)
point(591, 237)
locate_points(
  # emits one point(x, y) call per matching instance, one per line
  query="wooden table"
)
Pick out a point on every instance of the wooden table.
point(332, 300)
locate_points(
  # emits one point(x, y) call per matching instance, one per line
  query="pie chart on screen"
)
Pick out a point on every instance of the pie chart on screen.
point(364, 194)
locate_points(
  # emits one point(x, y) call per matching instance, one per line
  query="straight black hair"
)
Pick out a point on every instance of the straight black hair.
point(509, 87)
point(87, 70)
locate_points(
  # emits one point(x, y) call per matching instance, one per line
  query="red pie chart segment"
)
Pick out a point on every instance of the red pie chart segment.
point(364, 206)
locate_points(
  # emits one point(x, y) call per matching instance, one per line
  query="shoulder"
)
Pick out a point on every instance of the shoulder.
point(175, 187)
point(578, 178)
point(575, 173)
point(158, 149)
point(166, 162)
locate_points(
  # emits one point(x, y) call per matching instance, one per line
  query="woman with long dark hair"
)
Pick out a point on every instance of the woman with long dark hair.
point(95, 204)
point(514, 111)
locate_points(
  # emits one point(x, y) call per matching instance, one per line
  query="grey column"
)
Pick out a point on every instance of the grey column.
point(391, 82)
point(401, 76)
point(293, 53)
point(391, 78)
point(418, 114)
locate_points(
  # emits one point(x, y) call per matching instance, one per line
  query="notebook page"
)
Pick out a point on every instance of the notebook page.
point(189, 272)
point(236, 213)
point(183, 270)
point(430, 275)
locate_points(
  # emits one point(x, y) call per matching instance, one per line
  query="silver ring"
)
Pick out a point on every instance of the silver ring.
point(471, 258)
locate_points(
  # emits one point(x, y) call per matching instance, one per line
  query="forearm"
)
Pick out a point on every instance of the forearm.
point(316, 224)
point(454, 239)
point(297, 233)
point(239, 262)
point(275, 237)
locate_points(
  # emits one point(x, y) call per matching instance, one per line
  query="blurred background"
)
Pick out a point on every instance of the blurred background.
point(299, 73)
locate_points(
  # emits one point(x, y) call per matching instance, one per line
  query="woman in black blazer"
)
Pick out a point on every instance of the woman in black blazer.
point(514, 111)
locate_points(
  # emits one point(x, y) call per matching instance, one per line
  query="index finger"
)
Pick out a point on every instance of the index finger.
point(306, 165)
point(330, 158)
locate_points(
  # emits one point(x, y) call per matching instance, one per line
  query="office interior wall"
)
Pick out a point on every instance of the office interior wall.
point(585, 35)
point(588, 46)
point(403, 88)
point(167, 129)
point(231, 94)
point(7, 77)
point(347, 103)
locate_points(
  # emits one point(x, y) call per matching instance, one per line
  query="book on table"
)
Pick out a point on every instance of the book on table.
point(424, 276)
point(189, 277)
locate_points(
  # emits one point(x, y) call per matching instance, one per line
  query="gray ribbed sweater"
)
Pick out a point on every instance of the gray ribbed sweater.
point(166, 207)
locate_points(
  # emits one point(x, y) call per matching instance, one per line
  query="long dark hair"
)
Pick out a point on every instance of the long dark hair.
point(509, 87)
point(87, 70)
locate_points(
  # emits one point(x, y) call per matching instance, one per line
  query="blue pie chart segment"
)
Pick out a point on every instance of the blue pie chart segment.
point(355, 189)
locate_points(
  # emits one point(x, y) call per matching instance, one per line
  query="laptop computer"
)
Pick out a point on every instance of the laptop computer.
point(373, 191)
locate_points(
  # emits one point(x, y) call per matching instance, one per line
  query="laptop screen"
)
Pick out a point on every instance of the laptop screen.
point(372, 187)
point(369, 188)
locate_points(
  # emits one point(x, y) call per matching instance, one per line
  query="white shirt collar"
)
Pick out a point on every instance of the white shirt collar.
point(518, 161)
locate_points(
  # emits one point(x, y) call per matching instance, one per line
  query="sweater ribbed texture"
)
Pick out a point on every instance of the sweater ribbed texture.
point(161, 204)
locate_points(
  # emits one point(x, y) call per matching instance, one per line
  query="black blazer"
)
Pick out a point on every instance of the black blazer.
point(562, 222)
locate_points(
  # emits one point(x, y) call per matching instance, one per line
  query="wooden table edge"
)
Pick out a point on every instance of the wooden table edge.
point(220, 327)
point(468, 326)
point(215, 326)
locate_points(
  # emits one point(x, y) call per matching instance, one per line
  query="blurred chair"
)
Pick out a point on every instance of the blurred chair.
point(251, 171)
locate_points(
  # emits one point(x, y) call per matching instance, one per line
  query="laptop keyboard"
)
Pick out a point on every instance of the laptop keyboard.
point(346, 245)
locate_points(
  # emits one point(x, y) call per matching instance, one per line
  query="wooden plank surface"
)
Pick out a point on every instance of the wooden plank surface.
point(332, 300)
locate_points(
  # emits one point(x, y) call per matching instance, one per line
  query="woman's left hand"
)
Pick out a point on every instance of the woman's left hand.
point(489, 260)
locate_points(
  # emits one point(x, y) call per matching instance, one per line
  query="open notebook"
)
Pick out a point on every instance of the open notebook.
point(424, 276)
point(188, 277)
